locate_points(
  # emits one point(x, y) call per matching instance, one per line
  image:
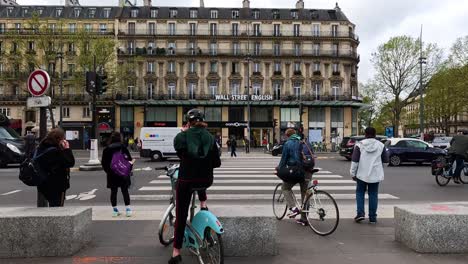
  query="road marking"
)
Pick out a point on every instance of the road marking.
point(84, 196)
point(247, 177)
point(223, 168)
point(257, 171)
point(260, 181)
point(248, 188)
point(12, 192)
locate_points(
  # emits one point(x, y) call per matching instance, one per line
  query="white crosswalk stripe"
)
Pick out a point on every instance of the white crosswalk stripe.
point(252, 179)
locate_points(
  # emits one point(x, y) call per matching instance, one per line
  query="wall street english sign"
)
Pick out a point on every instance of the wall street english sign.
point(243, 97)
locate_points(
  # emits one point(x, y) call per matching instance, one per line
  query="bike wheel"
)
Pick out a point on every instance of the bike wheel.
point(464, 175)
point(442, 180)
point(212, 250)
point(322, 212)
point(279, 202)
point(166, 226)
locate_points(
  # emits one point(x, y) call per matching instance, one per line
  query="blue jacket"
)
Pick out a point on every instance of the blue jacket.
point(291, 152)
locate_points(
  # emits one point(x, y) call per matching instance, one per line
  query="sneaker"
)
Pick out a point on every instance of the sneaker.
point(372, 222)
point(293, 212)
point(115, 212)
point(175, 260)
point(359, 218)
point(128, 212)
point(456, 180)
point(302, 222)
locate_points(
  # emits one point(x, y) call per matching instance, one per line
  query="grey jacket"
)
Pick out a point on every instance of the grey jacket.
point(367, 160)
point(459, 146)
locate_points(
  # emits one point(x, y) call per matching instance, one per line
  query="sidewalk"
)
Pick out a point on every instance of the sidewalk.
point(135, 242)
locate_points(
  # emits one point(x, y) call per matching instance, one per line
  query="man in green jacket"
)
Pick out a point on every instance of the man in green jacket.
point(459, 150)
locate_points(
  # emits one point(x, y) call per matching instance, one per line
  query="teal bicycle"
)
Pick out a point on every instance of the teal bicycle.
point(203, 232)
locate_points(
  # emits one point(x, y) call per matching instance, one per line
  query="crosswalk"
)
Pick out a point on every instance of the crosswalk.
point(251, 179)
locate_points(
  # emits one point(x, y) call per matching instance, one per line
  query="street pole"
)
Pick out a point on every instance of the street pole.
point(421, 93)
point(248, 87)
point(95, 121)
point(41, 200)
point(60, 56)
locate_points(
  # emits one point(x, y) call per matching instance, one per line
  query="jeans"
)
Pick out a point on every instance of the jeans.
point(458, 166)
point(373, 191)
point(289, 194)
point(233, 152)
point(125, 194)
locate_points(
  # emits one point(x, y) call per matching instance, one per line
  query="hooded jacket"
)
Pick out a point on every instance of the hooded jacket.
point(113, 180)
point(291, 152)
point(367, 160)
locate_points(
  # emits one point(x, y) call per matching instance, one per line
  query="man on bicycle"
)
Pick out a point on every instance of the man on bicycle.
point(459, 152)
point(199, 155)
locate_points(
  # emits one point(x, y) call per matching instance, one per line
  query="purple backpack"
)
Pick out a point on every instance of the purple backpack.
point(120, 165)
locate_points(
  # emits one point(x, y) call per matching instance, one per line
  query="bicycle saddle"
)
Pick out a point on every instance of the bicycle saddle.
point(315, 170)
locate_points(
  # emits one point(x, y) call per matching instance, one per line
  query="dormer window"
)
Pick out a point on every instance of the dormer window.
point(314, 14)
point(134, 13)
point(77, 12)
point(276, 14)
point(154, 13)
point(92, 12)
point(40, 11)
point(9, 11)
point(294, 14)
point(256, 14)
point(25, 11)
point(107, 12)
point(173, 13)
point(193, 13)
point(58, 12)
point(214, 14)
point(235, 14)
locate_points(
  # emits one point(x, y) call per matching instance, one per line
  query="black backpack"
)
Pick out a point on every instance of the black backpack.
point(308, 161)
point(31, 172)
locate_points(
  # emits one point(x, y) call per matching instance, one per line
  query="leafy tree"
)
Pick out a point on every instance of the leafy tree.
point(370, 97)
point(397, 77)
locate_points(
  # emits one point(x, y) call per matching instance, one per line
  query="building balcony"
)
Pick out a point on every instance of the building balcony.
point(13, 75)
point(14, 98)
point(28, 31)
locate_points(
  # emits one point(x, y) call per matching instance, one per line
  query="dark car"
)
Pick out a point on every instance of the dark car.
point(412, 150)
point(347, 145)
point(11, 147)
point(277, 149)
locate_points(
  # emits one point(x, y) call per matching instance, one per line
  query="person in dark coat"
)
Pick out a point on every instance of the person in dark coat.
point(57, 159)
point(114, 182)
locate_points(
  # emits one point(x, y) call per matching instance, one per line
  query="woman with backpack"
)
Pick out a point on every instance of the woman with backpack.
point(55, 158)
point(115, 178)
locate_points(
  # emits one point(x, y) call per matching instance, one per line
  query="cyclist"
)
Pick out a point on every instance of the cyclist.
point(459, 152)
point(199, 155)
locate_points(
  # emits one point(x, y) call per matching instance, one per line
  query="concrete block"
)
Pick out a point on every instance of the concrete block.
point(44, 232)
point(432, 228)
point(247, 233)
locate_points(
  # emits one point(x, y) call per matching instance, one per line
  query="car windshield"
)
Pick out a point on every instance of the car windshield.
point(442, 140)
point(8, 133)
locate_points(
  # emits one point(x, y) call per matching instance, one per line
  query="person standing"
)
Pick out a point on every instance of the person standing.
point(55, 158)
point(233, 145)
point(114, 181)
point(458, 151)
point(247, 145)
point(367, 170)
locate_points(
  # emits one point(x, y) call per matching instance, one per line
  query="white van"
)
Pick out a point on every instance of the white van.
point(157, 143)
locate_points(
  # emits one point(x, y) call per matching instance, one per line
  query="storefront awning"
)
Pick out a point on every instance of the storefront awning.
point(238, 103)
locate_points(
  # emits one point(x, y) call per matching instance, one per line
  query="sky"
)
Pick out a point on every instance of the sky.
point(376, 20)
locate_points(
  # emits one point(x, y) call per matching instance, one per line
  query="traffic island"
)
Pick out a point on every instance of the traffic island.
point(432, 228)
point(44, 232)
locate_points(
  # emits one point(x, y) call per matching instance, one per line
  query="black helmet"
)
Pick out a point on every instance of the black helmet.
point(195, 115)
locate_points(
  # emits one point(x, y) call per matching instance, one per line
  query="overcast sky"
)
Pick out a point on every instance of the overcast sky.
point(376, 20)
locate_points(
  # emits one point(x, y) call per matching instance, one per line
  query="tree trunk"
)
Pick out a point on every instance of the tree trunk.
point(396, 124)
point(446, 125)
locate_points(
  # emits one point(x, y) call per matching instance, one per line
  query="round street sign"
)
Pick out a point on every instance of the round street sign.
point(38, 82)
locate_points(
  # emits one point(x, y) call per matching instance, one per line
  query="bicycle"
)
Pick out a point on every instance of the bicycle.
point(319, 213)
point(442, 169)
point(203, 231)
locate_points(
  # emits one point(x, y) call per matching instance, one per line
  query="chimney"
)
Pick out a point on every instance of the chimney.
point(337, 8)
point(246, 4)
point(122, 3)
point(147, 3)
point(300, 4)
point(202, 3)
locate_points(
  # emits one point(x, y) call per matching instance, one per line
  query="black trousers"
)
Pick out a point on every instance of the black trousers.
point(125, 194)
point(55, 198)
point(183, 198)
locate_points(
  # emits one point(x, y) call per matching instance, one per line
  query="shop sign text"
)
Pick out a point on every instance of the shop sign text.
point(243, 97)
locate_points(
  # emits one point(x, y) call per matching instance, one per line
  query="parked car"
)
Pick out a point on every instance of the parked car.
point(277, 149)
point(442, 142)
point(11, 145)
point(347, 145)
point(412, 150)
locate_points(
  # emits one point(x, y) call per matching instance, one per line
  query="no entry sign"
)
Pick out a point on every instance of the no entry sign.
point(38, 82)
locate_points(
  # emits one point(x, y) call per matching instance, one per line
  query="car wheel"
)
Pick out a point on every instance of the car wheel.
point(156, 156)
point(274, 153)
point(395, 160)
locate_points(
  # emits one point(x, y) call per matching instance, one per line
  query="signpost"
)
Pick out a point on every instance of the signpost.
point(38, 84)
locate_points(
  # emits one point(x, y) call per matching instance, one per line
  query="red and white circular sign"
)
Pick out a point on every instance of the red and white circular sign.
point(38, 82)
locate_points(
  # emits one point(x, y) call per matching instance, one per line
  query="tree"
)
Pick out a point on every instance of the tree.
point(397, 66)
point(383, 118)
point(459, 52)
point(368, 114)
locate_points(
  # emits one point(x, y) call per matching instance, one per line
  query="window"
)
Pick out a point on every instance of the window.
point(213, 48)
point(214, 14)
point(236, 114)
point(131, 47)
point(297, 89)
point(256, 14)
point(257, 67)
point(193, 13)
point(92, 12)
point(1, 69)
point(276, 49)
point(173, 13)
point(5, 111)
point(130, 92)
point(192, 88)
point(2, 90)
point(316, 30)
point(71, 69)
point(336, 68)
point(172, 29)
point(72, 27)
point(58, 12)
point(297, 49)
point(297, 68)
point(276, 30)
point(88, 27)
point(416, 144)
point(213, 89)
point(289, 114)
point(191, 47)
point(172, 89)
point(71, 47)
point(213, 67)
point(150, 67)
point(278, 67)
point(235, 14)
point(257, 48)
point(316, 90)
point(107, 12)
point(171, 67)
point(256, 29)
point(235, 67)
point(297, 30)
point(51, 67)
point(151, 47)
point(152, 28)
point(192, 67)
point(86, 112)
point(235, 88)
point(257, 88)
point(213, 114)
point(236, 48)
point(76, 12)
point(18, 27)
point(131, 28)
point(235, 29)
point(213, 29)
point(134, 13)
point(316, 49)
point(336, 90)
point(150, 90)
point(154, 13)
point(334, 31)
point(277, 90)
point(276, 14)
point(316, 66)
point(294, 14)
point(31, 46)
point(52, 27)
point(2, 28)
point(193, 29)
point(103, 28)
point(171, 46)
point(66, 112)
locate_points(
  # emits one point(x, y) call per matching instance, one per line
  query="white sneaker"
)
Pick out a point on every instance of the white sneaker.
point(128, 212)
point(115, 213)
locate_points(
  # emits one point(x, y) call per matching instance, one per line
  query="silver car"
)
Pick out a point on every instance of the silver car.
point(442, 142)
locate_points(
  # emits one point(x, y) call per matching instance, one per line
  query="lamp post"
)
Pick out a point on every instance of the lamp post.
point(422, 61)
point(60, 57)
point(248, 58)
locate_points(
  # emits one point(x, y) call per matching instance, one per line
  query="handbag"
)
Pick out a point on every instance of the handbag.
point(308, 161)
point(291, 174)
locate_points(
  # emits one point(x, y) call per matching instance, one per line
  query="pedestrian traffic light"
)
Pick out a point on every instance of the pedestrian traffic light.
point(101, 84)
point(90, 82)
point(275, 122)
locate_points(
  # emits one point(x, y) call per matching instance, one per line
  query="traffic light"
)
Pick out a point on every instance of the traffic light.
point(275, 122)
point(90, 82)
point(101, 84)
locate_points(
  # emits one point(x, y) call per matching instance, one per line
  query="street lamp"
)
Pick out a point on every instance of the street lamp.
point(422, 60)
point(60, 57)
point(248, 99)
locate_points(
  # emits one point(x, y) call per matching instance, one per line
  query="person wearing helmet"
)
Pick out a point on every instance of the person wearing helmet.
point(458, 151)
point(199, 155)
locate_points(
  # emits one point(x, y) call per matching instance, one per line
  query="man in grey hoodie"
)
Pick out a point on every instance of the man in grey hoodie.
point(367, 170)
